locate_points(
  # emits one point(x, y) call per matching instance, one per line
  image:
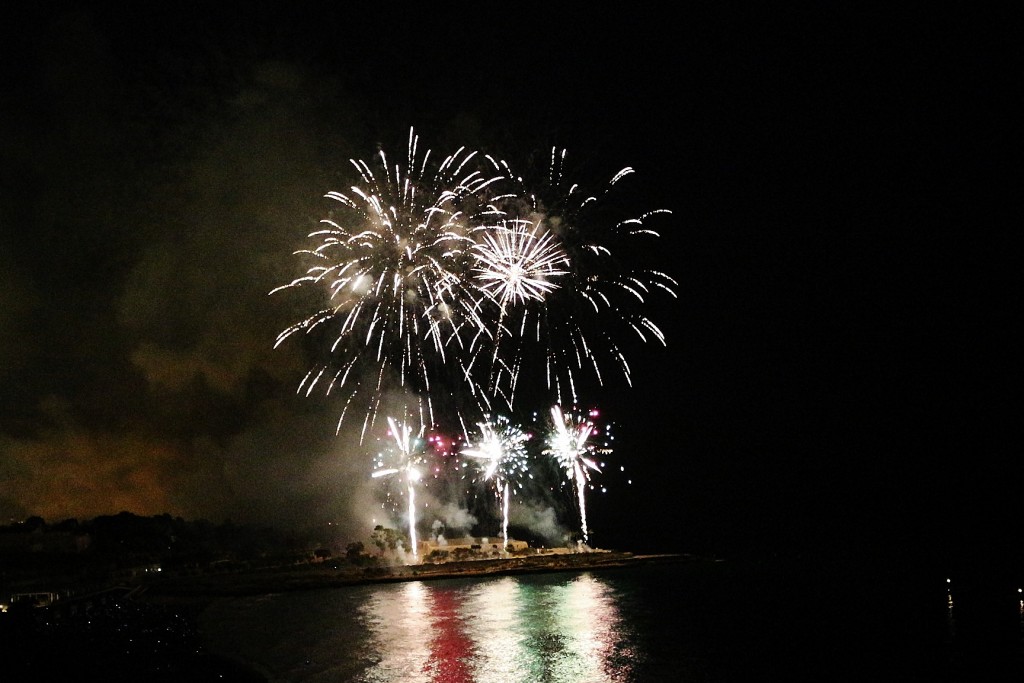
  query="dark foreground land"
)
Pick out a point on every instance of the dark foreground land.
point(113, 638)
point(147, 631)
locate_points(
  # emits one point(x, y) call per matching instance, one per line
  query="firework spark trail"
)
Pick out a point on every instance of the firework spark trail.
point(502, 451)
point(576, 312)
point(568, 444)
point(409, 462)
point(518, 261)
point(394, 265)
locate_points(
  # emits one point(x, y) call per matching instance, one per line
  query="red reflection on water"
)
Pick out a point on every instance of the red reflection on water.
point(450, 648)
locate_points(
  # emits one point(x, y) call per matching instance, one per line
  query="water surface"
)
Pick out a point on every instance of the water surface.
point(673, 622)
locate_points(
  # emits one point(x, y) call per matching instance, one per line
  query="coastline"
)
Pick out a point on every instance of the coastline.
point(194, 594)
point(208, 587)
point(151, 629)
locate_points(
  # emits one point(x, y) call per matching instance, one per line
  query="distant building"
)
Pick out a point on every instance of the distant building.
point(467, 547)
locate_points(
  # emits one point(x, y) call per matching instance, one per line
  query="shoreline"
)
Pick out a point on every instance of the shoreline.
point(195, 594)
point(150, 629)
point(209, 587)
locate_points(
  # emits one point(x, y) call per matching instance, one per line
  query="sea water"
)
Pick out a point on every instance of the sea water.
point(700, 621)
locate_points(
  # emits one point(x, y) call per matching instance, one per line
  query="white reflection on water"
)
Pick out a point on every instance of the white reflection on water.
point(588, 619)
point(498, 631)
point(501, 655)
point(397, 624)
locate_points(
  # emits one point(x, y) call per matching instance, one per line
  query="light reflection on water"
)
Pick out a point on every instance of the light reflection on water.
point(563, 628)
point(497, 631)
point(699, 622)
point(397, 627)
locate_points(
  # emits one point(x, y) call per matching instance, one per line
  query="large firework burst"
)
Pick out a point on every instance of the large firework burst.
point(517, 260)
point(587, 296)
point(446, 286)
point(392, 261)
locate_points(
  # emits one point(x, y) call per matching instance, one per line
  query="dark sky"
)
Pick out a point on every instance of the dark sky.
point(822, 382)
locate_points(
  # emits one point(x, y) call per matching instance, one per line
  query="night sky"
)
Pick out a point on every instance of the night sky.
point(825, 382)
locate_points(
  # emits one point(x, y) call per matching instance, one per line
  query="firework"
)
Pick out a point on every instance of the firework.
point(518, 261)
point(392, 263)
point(569, 443)
point(583, 297)
point(450, 285)
point(501, 450)
point(409, 462)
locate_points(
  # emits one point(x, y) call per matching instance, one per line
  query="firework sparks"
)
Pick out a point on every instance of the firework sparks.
point(518, 261)
point(454, 283)
point(501, 449)
point(569, 444)
point(577, 313)
point(425, 269)
point(393, 264)
point(409, 466)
